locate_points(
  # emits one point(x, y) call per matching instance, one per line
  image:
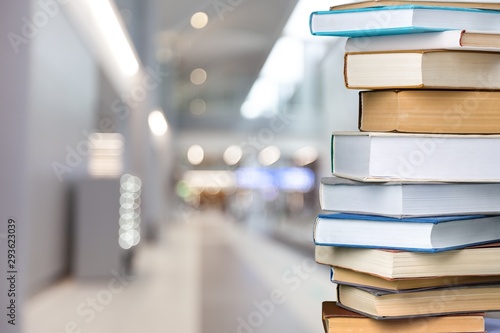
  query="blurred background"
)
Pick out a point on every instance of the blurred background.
point(162, 161)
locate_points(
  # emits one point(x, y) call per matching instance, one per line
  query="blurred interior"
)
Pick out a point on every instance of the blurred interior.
point(164, 158)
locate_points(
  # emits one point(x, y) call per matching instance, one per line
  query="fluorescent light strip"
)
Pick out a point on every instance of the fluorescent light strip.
point(110, 27)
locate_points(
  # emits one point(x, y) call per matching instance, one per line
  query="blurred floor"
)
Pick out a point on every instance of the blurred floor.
point(205, 274)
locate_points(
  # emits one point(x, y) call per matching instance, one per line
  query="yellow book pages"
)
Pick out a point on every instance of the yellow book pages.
point(430, 111)
point(348, 276)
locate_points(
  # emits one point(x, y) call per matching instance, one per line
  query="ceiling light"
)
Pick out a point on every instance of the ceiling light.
point(115, 37)
point(198, 76)
point(269, 155)
point(305, 155)
point(232, 155)
point(197, 106)
point(195, 154)
point(199, 20)
point(157, 123)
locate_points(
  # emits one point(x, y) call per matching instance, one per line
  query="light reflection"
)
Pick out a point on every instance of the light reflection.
point(195, 154)
point(130, 211)
point(199, 20)
point(269, 155)
point(198, 76)
point(232, 155)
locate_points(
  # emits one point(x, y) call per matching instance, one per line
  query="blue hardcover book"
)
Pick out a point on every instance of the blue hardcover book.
point(393, 20)
point(420, 234)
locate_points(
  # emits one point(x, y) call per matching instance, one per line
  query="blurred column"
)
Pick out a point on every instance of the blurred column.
point(149, 155)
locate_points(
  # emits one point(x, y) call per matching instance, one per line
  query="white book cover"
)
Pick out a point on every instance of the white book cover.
point(373, 156)
point(447, 40)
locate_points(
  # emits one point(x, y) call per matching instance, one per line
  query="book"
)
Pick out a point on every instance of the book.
point(375, 156)
point(381, 304)
point(430, 111)
point(340, 320)
point(424, 234)
point(341, 275)
point(393, 264)
point(408, 199)
point(441, 3)
point(435, 69)
point(444, 40)
point(389, 20)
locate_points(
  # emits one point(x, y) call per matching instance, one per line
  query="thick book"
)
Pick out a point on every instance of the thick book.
point(340, 275)
point(356, 4)
point(403, 19)
point(427, 302)
point(375, 156)
point(393, 264)
point(408, 199)
point(421, 234)
point(463, 40)
point(340, 320)
point(430, 111)
point(433, 69)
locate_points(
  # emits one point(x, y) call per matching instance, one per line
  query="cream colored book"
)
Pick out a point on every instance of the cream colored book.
point(422, 69)
point(423, 302)
point(393, 264)
point(350, 277)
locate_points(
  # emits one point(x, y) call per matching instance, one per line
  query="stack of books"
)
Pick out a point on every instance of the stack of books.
point(411, 222)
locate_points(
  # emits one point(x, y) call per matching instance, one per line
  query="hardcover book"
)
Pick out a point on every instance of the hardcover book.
point(443, 40)
point(340, 320)
point(375, 156)
point(422, 234)
point(433, 69)
point(342, 275)
point(356, 4)
point(408, 199)
point(430, 111)
point(439, 301)
point(389, 20)
point(394, 264)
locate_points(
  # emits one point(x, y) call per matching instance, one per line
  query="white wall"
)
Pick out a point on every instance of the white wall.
point(340, 105)
point(63, 86)
point(14, 68)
